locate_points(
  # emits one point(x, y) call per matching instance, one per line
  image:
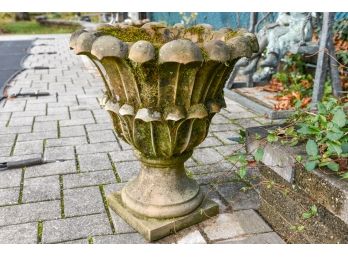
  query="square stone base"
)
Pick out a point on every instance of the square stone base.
point(154, 229)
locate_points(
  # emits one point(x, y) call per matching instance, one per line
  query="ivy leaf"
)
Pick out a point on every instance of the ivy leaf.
point(310, 165)
point(344, 147)
point(242, 172)
point(298, 158)
point(339, 118)
point(334, 147)
point(345, 176)
point(259, 154)
point(333, 166)
point(332, 135)
point(314, 210)
point(272, 138)
point(321, 108)
point(312, 148)
point(307, 215)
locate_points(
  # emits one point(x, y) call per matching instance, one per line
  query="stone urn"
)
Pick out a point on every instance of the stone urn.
point(163, 87)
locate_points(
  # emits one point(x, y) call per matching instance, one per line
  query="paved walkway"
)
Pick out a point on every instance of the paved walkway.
point(64, 202)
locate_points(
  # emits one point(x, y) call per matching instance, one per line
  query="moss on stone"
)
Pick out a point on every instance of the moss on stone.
point(134, 34)
point(130, 34)
point(231, 34)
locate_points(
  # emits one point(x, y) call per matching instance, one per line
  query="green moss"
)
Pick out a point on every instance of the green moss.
point(107, 210)
point(39, 232)
point(90, 240)
point(133, 34)
point(196, 30)
point(130, 34)
point(231, 34)
point(61, 186)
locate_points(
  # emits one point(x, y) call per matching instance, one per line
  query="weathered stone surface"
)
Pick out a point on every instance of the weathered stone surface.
point(111, 188)
point(247, 123)
point(7, 140)
point(9, 196)
point(75, 123)
point(228, 150)
point(5, 151)
point(230, 225)
point(207, 156)
point(53, 168)
point(89, 179)
point(29, 212)
point(127, 170)
point(21, 121)
point(37, 136)
point(190, 236)
point(29, 147)
point(19, 234)
point(56, 231)
point(219, 119)
point(142, 51)
point(41, 189)
point(101, 136)
point(98, 127)
point(210, 141)
point(10, 178)
point(97, 148)
point(94, 162)
point(238, 199)
point(210, 193)
point(45, 126)
point(82, 201)
point(222, 166)
point(263, 238)
point(60, 153)
point(72, 131)
point(78, 241)
point(66, 141)
point(225, 135)
point(120, 225)
point(15, 130)
point(224, 127)
point(129, 238)
point(154, 229)
point(303, 189)
point(122, 156)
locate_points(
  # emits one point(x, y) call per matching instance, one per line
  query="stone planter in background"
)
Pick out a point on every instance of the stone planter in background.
point(163, 87)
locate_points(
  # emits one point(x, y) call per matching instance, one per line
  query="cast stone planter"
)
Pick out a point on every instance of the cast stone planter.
point(163, 87)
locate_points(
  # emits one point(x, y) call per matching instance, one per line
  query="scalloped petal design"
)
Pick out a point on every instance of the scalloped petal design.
point(109, 46)
point(217, 50)
point(180, 51)
point(148, 115)
point(84, 42)
point(163, 90)
point(142, 51)
point(126, 109)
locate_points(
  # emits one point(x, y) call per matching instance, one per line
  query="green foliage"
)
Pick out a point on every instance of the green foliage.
point(32, 27)
point(258, 155)
point(313, 211)
point(324, 132)
point(340, 28)
point(312, 148)
point(272, 137)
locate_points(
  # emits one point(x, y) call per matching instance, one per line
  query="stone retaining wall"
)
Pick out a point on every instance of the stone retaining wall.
point(287, 191)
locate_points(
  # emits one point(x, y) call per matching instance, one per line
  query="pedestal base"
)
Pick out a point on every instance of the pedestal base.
point(154, 229)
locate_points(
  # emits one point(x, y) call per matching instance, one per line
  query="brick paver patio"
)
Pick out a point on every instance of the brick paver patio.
point(64, 202)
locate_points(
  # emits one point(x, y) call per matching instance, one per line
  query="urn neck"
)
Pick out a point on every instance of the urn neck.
point(163, 163)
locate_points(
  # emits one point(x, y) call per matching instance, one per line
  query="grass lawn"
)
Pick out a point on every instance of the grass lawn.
point(32, 27)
